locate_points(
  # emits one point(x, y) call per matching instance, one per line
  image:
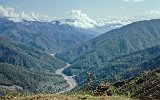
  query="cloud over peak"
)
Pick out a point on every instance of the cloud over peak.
point(20, 16)
point(79, 19)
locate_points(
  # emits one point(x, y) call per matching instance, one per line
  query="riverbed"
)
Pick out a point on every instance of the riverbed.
point(70, 80)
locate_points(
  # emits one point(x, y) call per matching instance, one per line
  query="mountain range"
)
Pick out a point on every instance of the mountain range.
point(118, 56)
point(48, 36)
point(114, 55)
point(133, 37)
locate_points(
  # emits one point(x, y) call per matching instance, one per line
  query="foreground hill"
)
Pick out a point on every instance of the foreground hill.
point(76, 96)
point(49, 36)
point(28, 68)
point(146, 86)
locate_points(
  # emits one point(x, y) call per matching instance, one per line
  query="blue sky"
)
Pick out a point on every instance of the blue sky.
point(93, 8)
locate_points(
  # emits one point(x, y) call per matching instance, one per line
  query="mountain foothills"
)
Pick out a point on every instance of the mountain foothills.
point(48, 36)
point(28, 68)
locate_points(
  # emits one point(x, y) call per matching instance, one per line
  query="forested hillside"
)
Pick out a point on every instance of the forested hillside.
point(119, 68)
point(146, 86)
point(29, 68)
point(114, 55)
point(133, 37)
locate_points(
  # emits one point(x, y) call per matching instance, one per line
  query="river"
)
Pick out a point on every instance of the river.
point(72, 83)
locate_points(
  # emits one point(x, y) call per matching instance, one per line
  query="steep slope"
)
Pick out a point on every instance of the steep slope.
point(133, 37)
point(29, 68)
point(119, 68)
point(28, 80)
point(49, 36)
point(146, 86)
point(24, 56)
point(100, 55)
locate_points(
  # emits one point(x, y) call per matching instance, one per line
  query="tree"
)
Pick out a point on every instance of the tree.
point(90, 82)
point(102, 88)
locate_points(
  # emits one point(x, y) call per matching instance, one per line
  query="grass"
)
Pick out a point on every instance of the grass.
point(64, 97)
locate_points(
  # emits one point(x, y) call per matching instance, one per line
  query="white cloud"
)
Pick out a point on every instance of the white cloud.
point(79, 19)
point(124, 20)
point(154, 13)
point(151, 14)
point(112, 20)
point(132, 0)
point(20, 16)
point(7, 12)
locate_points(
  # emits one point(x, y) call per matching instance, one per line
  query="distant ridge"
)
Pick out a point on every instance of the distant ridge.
point(48, 36)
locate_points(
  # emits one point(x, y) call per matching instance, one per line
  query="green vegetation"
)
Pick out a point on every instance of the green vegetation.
point(114, 56)
point(119, 68)
point(102, 89)
point(43, 35)
point(118, 56)
point(75, 96)
point(102, 92)
point(25, 56)
point(29, 80)
point(28, 68)
point(146, 86)
point(130, 38)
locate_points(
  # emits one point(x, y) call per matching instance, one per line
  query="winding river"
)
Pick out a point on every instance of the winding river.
point(72, 83)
